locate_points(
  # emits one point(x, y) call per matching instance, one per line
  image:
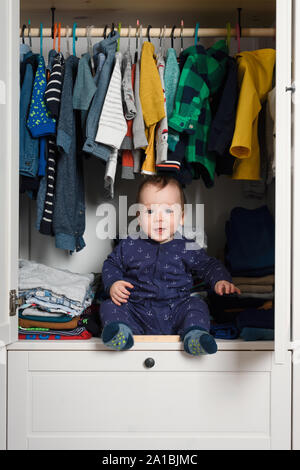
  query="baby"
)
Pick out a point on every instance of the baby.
point(149, 277)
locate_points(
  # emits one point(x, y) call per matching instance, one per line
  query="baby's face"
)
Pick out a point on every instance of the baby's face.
point(160, 211)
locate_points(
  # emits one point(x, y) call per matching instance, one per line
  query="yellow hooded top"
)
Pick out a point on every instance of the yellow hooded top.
point(152, 102)
point(255, 72)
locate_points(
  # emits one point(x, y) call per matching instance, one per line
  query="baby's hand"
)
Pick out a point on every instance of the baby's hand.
point(118, 291)
point(227, 287)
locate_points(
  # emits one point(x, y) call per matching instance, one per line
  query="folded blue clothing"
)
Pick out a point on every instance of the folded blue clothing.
point(256, 318)
point(224, 330)
point(62, 319)
point(257, 334)
point(250, 241)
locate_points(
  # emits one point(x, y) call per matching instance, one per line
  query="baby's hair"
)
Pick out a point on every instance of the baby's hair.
point(161, 181)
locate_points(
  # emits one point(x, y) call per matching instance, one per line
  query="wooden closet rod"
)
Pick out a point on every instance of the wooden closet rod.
point(156, 32)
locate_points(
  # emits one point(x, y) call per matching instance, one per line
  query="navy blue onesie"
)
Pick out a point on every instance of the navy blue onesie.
point(160, 302)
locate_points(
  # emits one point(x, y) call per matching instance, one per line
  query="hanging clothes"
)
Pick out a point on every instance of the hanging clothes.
point(171, 80)
point(255, 72)
point(29, 145)
point(161, 136)
point(223, 122)
point(201, 77)
point(40, 122)
point(127, 87)
point(108, 47)
point(69, 210)
point(85, 87)
point(138, 127)
point(127, 153)
point(152, 101)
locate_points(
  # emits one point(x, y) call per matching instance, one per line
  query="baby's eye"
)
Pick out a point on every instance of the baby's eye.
point(149, 211)
point(169, 211)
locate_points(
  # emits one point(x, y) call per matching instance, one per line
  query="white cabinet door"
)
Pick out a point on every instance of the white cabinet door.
point(110, 400)
point(9, 183)
point(9, 164)
point(283, 180)
point(296, 225)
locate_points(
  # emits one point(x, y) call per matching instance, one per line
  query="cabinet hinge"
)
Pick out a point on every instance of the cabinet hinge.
point(14, 302)
point(291, 88)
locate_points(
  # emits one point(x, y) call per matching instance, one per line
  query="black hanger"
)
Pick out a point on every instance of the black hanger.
point(52, 27)
point(105, 30)
point(239, 20)
point(23, 29)
point(172, 36)
point(148, 32)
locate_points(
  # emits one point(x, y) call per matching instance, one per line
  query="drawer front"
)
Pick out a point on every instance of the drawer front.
point(108, 399)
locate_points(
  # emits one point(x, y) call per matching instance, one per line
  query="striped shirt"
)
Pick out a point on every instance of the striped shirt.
point(112, 125)
point(52, 95)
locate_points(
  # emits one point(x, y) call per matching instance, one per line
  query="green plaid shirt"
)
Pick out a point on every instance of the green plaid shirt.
point(201, 77)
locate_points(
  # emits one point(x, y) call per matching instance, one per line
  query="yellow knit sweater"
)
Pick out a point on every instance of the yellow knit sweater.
point(152, 102)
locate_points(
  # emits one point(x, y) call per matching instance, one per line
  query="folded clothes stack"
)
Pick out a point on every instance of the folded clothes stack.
point(263, 285)
point(250, 242)
point(233, 316)
point(53, 301)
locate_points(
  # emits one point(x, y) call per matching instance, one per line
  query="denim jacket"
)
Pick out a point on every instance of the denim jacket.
point(108, 46)
point(29, 146)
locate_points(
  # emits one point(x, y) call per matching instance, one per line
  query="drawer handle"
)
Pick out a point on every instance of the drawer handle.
point(149, 362)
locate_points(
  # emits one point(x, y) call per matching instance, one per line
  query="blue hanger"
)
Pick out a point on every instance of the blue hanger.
point(74, 38)
point(196, 33)
point(41, 39)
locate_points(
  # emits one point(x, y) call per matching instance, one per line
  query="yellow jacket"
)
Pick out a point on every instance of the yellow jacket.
point(255, 72)
point(152, 102)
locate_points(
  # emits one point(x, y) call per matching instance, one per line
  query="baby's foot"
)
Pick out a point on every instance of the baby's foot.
point(117, 336)
point(198, 342)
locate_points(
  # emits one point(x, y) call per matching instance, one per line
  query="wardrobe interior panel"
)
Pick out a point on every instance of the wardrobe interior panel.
point(219, 200)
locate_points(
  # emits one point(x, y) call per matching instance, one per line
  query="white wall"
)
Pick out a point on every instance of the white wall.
point(218, 200)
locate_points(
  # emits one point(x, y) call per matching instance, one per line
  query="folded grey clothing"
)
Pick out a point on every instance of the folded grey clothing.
point(36, 312)
point(60, 281)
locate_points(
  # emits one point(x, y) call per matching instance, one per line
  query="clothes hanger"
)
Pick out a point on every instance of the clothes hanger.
point(23, 31)
point(238, 30)
point(74, 38)
point(52, 27)
point(90, 47)
point(29, 35)
point(228, 37)
point(41, 38)
point(68, 42)
point(196, 33)
point(105, 31)
point(112, 32)
point(172, 36)
point(58, 38)
point(148, 32)
point(54, 36)
point(181, 35)
point(129, 32)
point(238, 37)
point(119, 31)
point(136, 54)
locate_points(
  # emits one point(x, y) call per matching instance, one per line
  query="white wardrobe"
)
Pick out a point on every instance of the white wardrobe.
point(78, 394)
